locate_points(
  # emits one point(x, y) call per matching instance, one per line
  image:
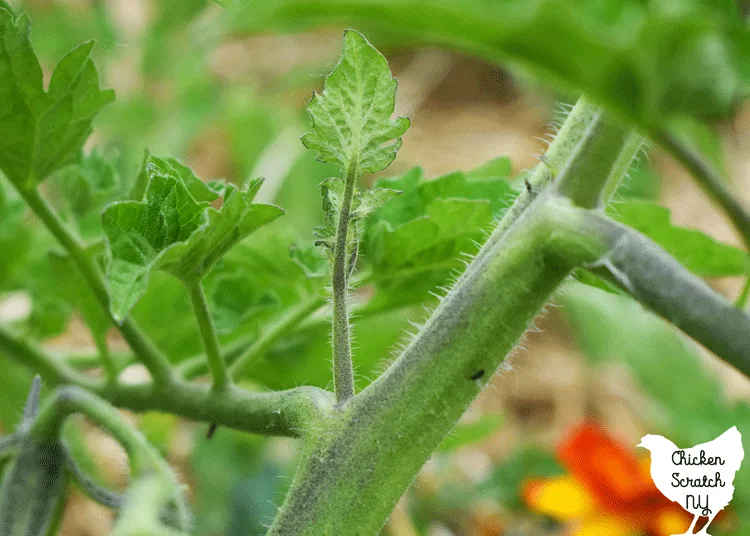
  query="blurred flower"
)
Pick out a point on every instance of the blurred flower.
point(608, 491)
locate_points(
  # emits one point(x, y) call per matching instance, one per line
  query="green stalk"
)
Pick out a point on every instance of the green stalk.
point(144, 458)
point(69, 400)
point(343, 372)
point(207, 330)
point(54, 371)
point(629, 152)
point(363, 461)
point(149, 355)
point(558, 153)
point(654, 278)
point(585, 176)
point(105, 358)
point(361, 465)
point(291, 413)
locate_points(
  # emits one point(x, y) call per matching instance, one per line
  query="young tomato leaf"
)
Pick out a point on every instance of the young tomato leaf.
point(238, 218)
point(351, 118)
point(42, 131)
point(701, 254)
point(175, 230)
point(363, 203)
point(415, 240)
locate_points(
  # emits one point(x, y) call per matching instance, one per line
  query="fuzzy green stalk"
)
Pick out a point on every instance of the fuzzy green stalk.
point(361, 465)
point(587, 175)
point(221, 379)
point(291, 413)
point(560, 150)
point(343, 373)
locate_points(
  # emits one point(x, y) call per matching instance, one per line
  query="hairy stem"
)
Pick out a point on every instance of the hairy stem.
point(207, 330)
point(343, 373)
point(585, 176)
point(560, 150)
point(361, 466)
point(709, 180)
point(629, 153)
point(151, 357)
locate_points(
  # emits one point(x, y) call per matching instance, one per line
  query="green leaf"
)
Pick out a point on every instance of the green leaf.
point(43, 131)
point(73, 288)
point(15, 239)
point(237, 219)
point(235, 298)
point(700, 253)
point(351, 118)
point(416, 239)
point(173, 231)
point(364, 202)
point(307, 257)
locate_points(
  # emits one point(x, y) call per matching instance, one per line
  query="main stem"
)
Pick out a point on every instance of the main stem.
point(207, 330)
point(362, 463)
point(151, 357)
point(343, 374)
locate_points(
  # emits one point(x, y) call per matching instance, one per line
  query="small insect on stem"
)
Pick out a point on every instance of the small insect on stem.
point(528, 186)
point(212, 430)
point(477, 375)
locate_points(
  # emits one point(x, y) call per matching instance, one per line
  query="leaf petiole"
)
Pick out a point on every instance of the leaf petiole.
point(221, 379)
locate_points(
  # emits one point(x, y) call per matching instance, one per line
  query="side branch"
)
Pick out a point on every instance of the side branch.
point(290, 413)
point(54, 371)
point(653, 277)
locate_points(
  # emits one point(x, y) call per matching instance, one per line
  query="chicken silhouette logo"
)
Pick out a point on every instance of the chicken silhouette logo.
point(700, 479)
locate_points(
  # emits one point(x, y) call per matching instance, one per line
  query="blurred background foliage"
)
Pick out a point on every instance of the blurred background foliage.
point(224, 89)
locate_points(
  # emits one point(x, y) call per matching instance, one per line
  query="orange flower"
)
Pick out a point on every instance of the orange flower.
point(607, 491)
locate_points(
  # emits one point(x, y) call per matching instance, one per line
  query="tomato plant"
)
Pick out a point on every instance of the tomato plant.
point(203, 280)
